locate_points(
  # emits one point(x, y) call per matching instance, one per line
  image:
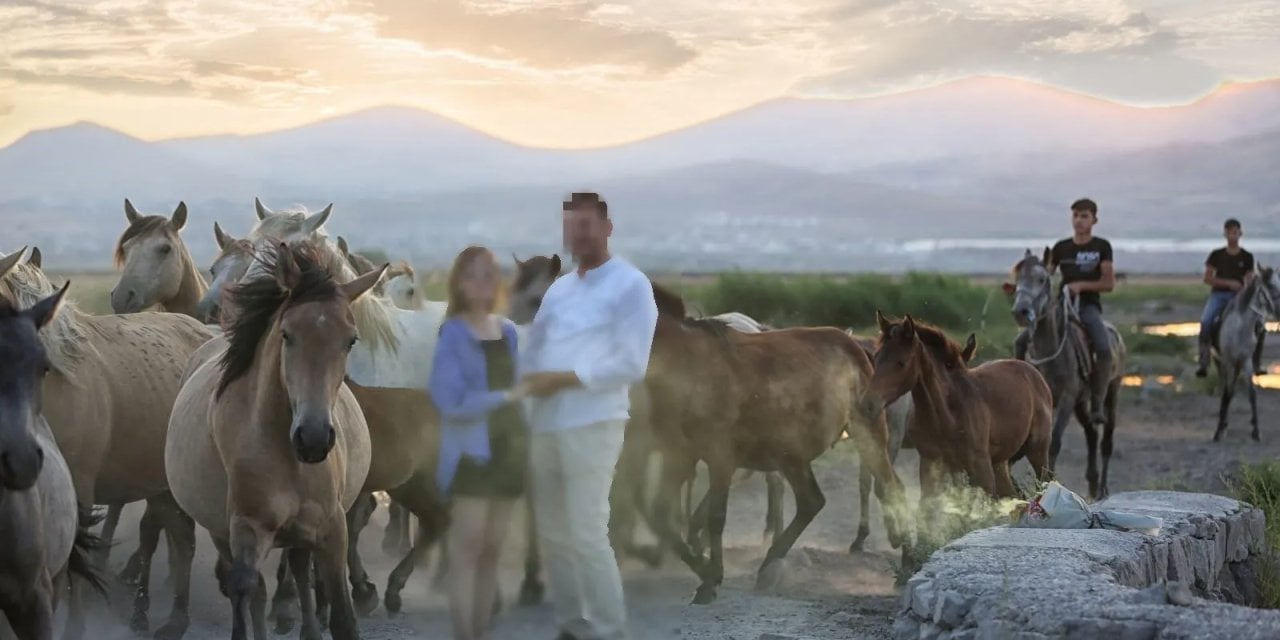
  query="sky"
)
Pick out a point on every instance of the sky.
point(567, 73)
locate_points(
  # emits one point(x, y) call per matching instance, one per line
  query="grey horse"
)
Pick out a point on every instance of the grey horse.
point(1236, 340)
point(1057, 346)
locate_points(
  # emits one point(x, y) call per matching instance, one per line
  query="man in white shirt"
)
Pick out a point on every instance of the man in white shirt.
point(589, 343)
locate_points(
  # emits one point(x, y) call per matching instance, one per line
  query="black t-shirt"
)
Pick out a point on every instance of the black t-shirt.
point(1082, 263)
point(1229, 267)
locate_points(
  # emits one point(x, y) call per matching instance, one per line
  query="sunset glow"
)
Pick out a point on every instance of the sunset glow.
point(574, 74)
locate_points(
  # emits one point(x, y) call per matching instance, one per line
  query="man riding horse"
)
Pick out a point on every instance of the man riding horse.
point(1227, 270)
point(1087, 272)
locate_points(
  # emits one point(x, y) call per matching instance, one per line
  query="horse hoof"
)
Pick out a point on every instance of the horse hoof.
point(706, 594)
point(531, 593)
point(393, 602)
point(365, 599)
point(172, 630)
point(1256, 437)
point(139, 623)
point(284, 625)
point(857, 547)
point(769, 577)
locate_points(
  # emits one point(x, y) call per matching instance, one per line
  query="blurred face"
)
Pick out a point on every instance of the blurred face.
point(586, 232)
point(1082, 221)
point(479, 282)
point(1232, 234)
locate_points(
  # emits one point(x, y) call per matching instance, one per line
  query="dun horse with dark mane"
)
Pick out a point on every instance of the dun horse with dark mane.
point(267, 446)
point(977, 421)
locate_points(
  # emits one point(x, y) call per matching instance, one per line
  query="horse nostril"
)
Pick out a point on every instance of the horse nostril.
point(40, 457)
point(333, 437)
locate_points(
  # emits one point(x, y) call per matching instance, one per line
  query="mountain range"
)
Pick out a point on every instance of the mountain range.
point(787, 184)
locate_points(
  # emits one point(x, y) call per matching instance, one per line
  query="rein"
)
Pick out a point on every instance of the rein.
point(1069, 309)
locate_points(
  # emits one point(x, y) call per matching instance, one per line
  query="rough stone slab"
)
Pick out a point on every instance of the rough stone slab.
point(1042, 584)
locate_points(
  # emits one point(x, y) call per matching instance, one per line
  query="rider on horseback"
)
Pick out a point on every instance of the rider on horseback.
point(1228, 270)
point(1087, 271)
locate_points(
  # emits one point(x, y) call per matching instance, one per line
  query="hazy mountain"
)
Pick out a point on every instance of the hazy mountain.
point(790, 181)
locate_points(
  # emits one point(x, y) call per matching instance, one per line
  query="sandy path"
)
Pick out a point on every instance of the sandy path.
point(1162, 442)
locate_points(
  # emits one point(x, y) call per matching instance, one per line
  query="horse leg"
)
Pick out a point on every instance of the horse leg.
point(531, 589)
point(284, 605)
point(1108, 430)
point(363, 592)
point(109, 531)
point(441, 578)
point(300, 563)
point(871, 438)
point(1226, 377)
point(1061, 414)
point(395, 541)
point(1003, 481)
point(676, 468)
point(773, 514)
point(809, 501)
point(182, 546)
point(137, 571)
point(331, 564)
point(1091, 445)
point(720, 475)
point(1253, 407)
point(420, 497)
point(697, 524)
point(864, 507)
point(34, 619)
point(249, 547)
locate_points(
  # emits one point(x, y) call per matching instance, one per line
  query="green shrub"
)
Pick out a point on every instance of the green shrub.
point(1259, 485)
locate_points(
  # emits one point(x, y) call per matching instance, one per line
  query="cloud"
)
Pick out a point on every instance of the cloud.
point(104, 83)
point(1102, 47)
point(559, 36)
point(6, 107)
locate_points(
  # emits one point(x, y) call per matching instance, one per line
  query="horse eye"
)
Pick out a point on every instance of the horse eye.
point(285, 336)
point(165, 249)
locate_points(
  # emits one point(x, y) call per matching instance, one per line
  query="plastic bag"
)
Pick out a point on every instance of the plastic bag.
point(1059, 508)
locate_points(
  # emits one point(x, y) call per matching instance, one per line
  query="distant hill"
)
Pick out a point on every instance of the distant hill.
point(799, 182)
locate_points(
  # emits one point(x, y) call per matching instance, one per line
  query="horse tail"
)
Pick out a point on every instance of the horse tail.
point(84, 548)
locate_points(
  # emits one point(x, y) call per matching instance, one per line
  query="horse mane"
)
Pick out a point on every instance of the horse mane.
point(402, 268)
point(284, 224)
point(934, 339)
point(671, 305)
point(1242, 300)
point(145, 225)
point(65, 340)
point(259, 300)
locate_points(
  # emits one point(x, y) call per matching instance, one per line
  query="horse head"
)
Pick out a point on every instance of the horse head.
point(1032, 289)
point(533, 277)
point(153, 260)
point(21, 379)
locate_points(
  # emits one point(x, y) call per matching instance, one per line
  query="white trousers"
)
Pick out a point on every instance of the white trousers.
point(572, 472)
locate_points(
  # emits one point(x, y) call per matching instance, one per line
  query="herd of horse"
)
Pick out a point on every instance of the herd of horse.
point(269, 401)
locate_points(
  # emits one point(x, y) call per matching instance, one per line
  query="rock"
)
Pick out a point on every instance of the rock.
point(1036, 584)
point(950, 609)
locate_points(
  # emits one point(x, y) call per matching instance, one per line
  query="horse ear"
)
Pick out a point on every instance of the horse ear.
point(517, 260)
point(10, 261)
point(43, 312)
point(342, 246)
point(179, 218)
point(908, 326)
point(260, 209)
point(317, 220)
point(356, 288)
point(36, 259)
point(970, 347)
point(555, 264)
point(221, 236)
point(1009, 288)
point(1048, 253)
point(883, 322)
point(130, 212)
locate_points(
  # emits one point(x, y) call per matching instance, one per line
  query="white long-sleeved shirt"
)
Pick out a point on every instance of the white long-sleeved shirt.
point(600, 326)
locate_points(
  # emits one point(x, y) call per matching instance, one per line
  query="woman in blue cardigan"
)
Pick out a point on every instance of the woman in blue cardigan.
point(483, 438)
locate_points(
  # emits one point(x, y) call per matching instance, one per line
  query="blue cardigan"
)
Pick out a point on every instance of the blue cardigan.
point(459, 386)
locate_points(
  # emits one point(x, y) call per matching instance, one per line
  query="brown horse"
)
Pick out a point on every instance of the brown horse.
point(107, 398)
point(45, 537)
point(268, 446)
point(771, 401)
point(974, 420)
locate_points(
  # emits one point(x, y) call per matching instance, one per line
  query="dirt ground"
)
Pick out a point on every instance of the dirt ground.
point(1163, 441)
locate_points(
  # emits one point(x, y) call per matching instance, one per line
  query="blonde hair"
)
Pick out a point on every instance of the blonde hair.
point(457, 299)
